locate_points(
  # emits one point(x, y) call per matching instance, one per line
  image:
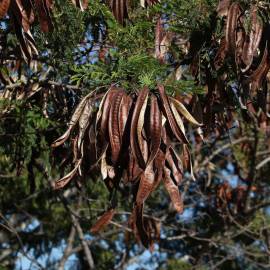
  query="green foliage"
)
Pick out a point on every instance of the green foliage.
point(173, 264)
point(26, 131)
point(189, 15)
point(131, 63)
point(260, 220)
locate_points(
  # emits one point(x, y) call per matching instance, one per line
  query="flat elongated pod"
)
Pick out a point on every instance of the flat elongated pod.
point(175, 165)
point(26, 41)
point(186, 159)
point(146, 185)
point(66, 179)
point(19, 10)
point(73, 122)
point(103, 221)
point(155, 129)
point(4, 5)
point(113, 127)
point(123, 114)
point(173, 191)
point(143, 146)
point(104, 105)
point(84, 121)
point(100, 109)
point(169, 115)
point(133, 171)
point(223, 7)
point(183, 111)
point(252, 40)
point(179, 121)
point(119, 10)
point(91, 149)
point(159, 33)
point(139, 224)
point(102, 121)
point(134, 140)
point(256, 78)
point(231, 27)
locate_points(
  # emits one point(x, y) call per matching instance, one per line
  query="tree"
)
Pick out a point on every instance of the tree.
point(141, 91)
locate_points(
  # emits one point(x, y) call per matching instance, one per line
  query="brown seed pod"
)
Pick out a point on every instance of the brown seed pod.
point(113, 126)
point(120, 10)
point(155, 129)
point(4, 6)
point(136, 134)
point(259, 74)
point(231, 28)
point(252, 40)
point(103, 221)
point(146, 185)
point(177, 132)
point(173, 191)
point(135, 138)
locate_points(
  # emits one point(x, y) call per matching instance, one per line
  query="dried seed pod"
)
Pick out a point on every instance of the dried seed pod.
point(231, 27)
point(84, 120)
point(223, 7)
point(103, 221)
point(173, 191)
point(135, 138)
point(175, 165)
point(258, 75)
point(170, 117)
point(123, 114)
point(146, 185)
point(125, 122)
point(67, 178)
point(73, 122)
point(113, 127)
point(119, 10)
point(139, 224)
point(4, 6)
point(182, 110)
point(252, 40)
point(155, 129)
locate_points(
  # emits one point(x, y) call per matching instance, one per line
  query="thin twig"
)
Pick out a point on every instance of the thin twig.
point(262, 163)
point(14, 231)
point(68, 248)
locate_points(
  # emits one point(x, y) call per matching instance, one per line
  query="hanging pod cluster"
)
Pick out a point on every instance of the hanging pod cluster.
point(24, 12)
point(137, 139)
point(236, 73)
point(246, 41)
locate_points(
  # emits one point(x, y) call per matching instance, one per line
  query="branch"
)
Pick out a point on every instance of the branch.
point(257, 207)
point(252, 167)
point(222, 148)
point(43, 82)
point(86, 249)
point(262, 163)
point(11, 229)
point(93, 241)
point(68, 248)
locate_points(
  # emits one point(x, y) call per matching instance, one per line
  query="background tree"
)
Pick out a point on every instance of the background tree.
point(213, 57)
